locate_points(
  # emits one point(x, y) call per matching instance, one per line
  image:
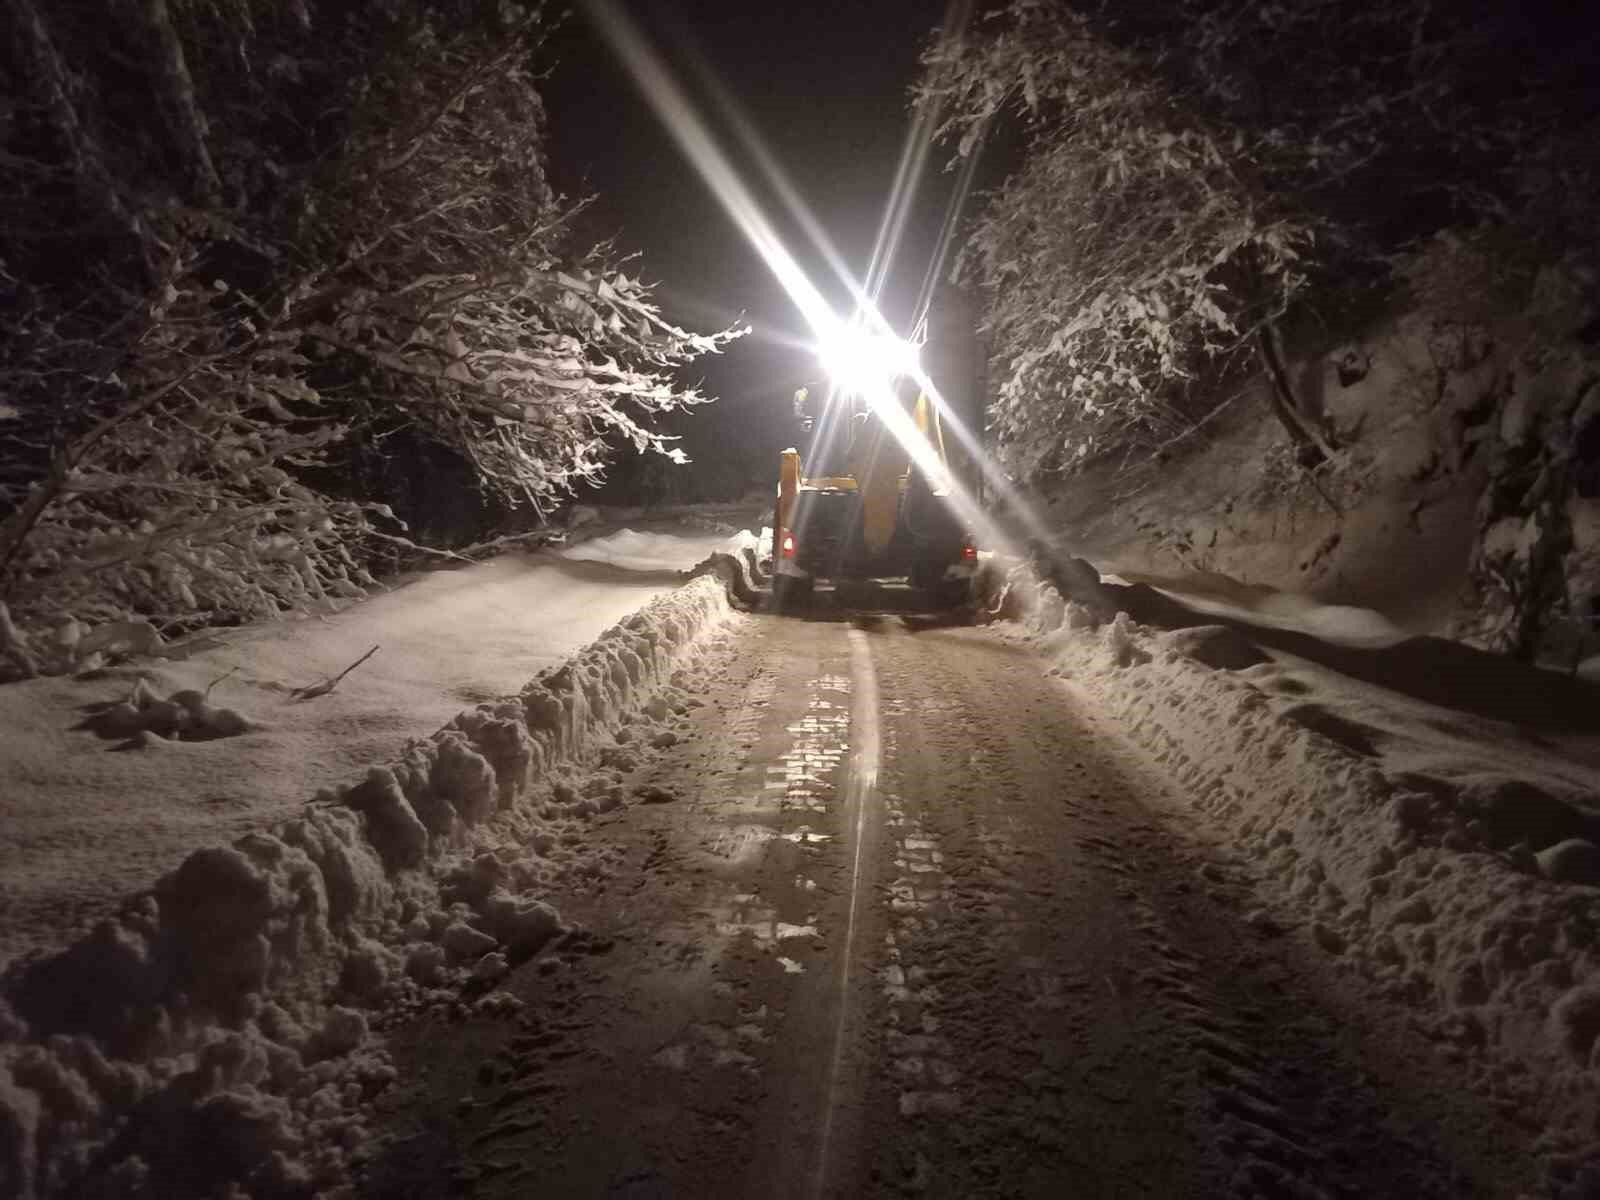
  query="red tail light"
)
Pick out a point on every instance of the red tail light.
point(786, 546)
point(969, 551)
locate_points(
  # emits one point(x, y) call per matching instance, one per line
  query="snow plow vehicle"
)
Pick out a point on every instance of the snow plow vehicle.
point(876, 505)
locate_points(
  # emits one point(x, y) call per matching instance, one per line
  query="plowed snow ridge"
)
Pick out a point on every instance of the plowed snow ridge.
point(231, 1001)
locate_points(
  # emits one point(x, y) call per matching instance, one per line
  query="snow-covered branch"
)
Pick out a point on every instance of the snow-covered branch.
point(1208, 176)
point(366, 250)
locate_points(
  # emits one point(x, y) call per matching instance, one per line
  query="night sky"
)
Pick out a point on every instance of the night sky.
point(827, 89)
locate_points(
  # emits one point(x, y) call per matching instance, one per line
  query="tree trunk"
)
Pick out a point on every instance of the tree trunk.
point(52, 87)
point(14, 646)
point(15, 529)
point(187, 123)
point(1312, 447)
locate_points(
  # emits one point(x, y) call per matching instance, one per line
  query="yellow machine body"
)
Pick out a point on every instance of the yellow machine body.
point(882, 534)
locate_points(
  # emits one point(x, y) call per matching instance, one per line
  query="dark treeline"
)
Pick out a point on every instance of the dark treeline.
point(1210, 186)
point(275, 276)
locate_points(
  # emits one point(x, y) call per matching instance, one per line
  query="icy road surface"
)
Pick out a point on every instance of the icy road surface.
point(86, 821)
point(900, 915)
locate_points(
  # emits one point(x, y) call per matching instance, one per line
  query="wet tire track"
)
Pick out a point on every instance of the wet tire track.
point(1025, 975)
point(1121, 1029)
point(705, 1057)
point(1017, 974)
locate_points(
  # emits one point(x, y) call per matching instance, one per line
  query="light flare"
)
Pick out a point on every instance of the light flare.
point(692, 135)
point(857, 360)
point(694, 138)
point(1033, 527)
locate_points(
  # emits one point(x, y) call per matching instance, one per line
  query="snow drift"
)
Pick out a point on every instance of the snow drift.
point(1466, 894)
point(215, 1031)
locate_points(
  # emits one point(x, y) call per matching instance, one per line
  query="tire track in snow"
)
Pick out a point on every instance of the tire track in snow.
point(1010, 1073)
point(696, 1068)
point(1114, 1025)
point(920, 1058)
point(1285, 1113)
point(861, 792)
point(1271, 1152)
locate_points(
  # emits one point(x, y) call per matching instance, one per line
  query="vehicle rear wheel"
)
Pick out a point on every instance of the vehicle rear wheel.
point(928, 578)
point(937, 591)
point(956, 593)
point(790, 594)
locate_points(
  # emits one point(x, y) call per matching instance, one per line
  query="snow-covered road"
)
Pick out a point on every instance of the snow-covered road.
point(897, 914)
point(849, 903)
point(87, 820)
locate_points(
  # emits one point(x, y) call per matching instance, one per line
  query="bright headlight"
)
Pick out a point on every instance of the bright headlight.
point(860, 361)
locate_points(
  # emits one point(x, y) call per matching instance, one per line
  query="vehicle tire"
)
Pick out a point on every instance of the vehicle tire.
point(955, 594)
point(930, 581)
point(790, 594)
point(851, 593)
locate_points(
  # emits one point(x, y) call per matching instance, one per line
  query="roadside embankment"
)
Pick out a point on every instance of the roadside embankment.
point(216, 1032)
point(1441, 859)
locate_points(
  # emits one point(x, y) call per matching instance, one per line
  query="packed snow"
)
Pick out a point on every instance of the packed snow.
point(1340, 624)
point(92, 808)
point(643, 551)
point(1440, 847)
point(233, 996)
point(1423, 817)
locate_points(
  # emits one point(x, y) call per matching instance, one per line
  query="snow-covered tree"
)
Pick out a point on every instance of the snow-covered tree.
point(1200, 181)
point(239, 236)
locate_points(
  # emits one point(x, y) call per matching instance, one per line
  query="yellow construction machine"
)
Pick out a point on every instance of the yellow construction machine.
point(877, 505)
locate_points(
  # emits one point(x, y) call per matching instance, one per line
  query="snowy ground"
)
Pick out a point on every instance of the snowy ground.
point(1262, 607)
point(1398, 835)
point(1423, 816)
point(1167, 905)
point(86, 819)
point(214, 1029)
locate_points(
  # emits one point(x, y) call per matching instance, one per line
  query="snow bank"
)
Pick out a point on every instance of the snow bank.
point(632, 550)
point(1340, 624)
point(215, 1032)
point(1469, 900)
point(740, 569)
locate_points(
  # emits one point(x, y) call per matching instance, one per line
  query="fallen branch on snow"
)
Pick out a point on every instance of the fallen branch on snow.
point(225, 675)
point(327, 685)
